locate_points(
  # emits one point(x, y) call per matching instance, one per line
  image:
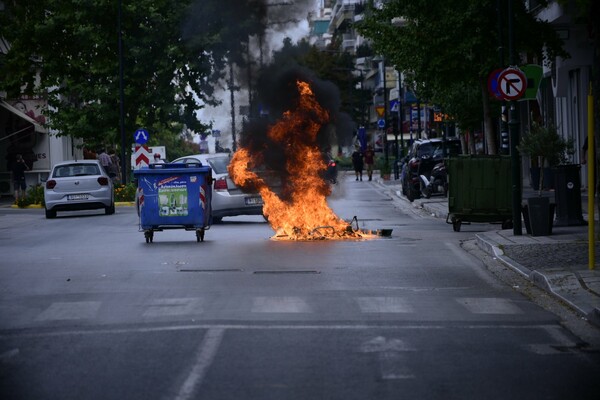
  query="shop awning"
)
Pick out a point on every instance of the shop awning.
point(37, 127)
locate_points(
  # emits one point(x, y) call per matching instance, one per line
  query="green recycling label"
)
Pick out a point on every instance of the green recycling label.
point(173, 197)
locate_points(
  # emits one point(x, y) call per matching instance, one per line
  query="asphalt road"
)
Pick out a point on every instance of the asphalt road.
point(88, 310)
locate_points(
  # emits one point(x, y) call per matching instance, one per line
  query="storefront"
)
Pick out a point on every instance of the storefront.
point(22, 131)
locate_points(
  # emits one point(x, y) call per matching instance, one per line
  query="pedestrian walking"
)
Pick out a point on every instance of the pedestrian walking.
point(357, 162)
point(369, 161)
point(105, 160)
point(115, 167)
point(18, 169)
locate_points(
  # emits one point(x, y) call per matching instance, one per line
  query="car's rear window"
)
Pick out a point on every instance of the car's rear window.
point(426, 149)
point(75, 170)
point(453, 148)
point(219, 164)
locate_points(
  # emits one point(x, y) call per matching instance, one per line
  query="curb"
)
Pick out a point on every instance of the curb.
point(117, 204)
point(562, 285)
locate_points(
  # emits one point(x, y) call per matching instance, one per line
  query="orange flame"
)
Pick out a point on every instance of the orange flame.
point(306, 216)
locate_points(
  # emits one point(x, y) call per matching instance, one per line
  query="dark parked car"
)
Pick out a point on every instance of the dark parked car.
point(421, 158)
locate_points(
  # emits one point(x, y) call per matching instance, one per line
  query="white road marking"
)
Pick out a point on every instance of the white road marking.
point(70, 311)
point(489, 305)
point(174, 306)
point(384, 305)
point(324, 327)
point(392, 363)
point(279, 305)
point(204, 357)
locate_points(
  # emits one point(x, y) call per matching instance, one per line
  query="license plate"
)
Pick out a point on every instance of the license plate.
point(253, 201)
point(77, 197)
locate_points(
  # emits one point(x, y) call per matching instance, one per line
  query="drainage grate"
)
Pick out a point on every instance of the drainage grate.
point(299, 271)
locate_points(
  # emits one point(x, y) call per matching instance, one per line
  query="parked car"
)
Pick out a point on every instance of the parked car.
point(227, 199)
point(78, 185)
point(422, 157)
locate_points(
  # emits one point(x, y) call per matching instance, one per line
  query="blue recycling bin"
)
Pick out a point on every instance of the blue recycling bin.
point(174, 196)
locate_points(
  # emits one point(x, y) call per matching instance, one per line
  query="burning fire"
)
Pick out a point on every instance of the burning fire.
point(300, 210)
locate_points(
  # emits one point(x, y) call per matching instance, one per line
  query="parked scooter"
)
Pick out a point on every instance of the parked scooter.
point(437, 182)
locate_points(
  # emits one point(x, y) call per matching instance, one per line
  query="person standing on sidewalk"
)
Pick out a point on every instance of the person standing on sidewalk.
point(369, 161)
point(114, 169)
point(357, 162)
point(18, 175)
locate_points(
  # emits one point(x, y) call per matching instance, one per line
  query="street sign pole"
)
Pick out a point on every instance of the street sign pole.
point(385, 116)
point(513, 130)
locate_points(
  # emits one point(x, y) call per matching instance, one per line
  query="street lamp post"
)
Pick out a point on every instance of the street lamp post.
point(121, 96)
point(386, 154)
point(513, 129)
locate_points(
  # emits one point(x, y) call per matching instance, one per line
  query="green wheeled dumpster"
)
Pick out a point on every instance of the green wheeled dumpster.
point(479, 190)
point(174, 196)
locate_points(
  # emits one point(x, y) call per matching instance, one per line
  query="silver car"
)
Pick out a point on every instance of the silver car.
point(78, 185)
point(227, 199)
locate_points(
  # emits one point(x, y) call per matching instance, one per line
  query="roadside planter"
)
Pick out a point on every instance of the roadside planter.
point(549, 148)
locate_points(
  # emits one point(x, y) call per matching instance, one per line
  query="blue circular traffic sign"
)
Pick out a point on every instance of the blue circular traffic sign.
point(381, 123)
point(141, 136)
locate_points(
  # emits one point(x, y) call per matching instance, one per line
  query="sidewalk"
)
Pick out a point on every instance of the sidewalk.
point(557, 263)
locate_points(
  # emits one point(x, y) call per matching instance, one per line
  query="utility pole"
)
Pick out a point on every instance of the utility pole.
point(122, 98)
point(385, 115)
point(232, 97)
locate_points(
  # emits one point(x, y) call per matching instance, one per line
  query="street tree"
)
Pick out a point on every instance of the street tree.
point(67, 52)
point(448, 49)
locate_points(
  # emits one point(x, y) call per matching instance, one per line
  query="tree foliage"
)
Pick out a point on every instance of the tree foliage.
point(448, 49)
point(67, 51)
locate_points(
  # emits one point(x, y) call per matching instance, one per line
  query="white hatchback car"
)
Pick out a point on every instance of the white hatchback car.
point(78, 185)
point(227, 199)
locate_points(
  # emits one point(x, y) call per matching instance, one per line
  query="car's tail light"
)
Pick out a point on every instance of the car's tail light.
point(413, 164)
point(103, 181)
point(220, 184)
point(50, 184)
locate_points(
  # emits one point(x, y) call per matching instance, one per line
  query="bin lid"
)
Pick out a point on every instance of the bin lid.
point(173, 168)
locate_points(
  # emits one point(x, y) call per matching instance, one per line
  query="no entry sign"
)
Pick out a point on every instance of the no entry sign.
point(512, 84)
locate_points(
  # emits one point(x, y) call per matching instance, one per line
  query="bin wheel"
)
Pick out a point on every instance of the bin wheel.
point(456, 224)
point(149, 235)
point(200, 235)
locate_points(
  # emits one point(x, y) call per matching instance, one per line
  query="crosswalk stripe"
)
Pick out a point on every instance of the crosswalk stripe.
point(279, 305)
point(384, 305)
point(489, 305)
point(70, 311)
point(174, 306)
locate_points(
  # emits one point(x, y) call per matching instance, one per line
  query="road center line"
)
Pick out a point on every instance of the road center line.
point(205, 355)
